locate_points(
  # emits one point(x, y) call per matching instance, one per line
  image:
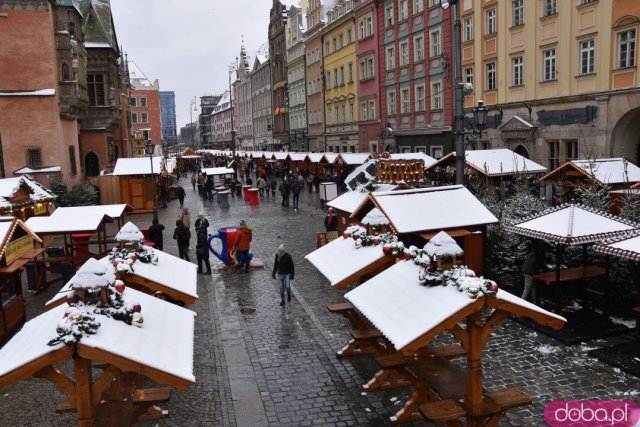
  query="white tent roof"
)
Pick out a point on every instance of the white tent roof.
point(609, 171)
point(88, 222)
point(297, 157)
point(114, 211)
point(572, 224)
point(218, 171)
point(340, 259)
point(164, 342)
point(137, 166)
point(355, 158)
point(402, 309)
point(627, 248)
point(315, 157)
point(350, 200)
point(5, 226)
point(439, 208)
point(331, 157)
point(501, 161)
point(170, 271)
point(280, 155)
point(428, 160)
point(8, 187)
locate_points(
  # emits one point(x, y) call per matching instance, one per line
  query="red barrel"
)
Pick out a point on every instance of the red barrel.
point(253, 196)
point(245, 190)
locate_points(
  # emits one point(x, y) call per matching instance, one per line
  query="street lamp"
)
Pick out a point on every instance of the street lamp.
point(149, 148)
point(480, 113)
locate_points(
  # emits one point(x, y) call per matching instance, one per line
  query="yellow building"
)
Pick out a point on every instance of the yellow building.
point(339, 65)
point(567, 69)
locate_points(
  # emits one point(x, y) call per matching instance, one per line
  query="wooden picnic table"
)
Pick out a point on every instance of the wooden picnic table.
point(571, 274)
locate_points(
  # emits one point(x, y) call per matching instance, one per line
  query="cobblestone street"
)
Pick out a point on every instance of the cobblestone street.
point(257, 363)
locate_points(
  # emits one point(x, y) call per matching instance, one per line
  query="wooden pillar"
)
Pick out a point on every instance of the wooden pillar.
point(83, 391)
point(474, 368)
point(556, 285)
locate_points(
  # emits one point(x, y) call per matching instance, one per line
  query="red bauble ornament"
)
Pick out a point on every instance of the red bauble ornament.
point(346, 235)
point(119, 287)
point(72, 299)
point(137, 308)
point(407, 256)
point(115, 263)
point(134, 258)
point(493, 288)
point(376, 242)
point(386, 250)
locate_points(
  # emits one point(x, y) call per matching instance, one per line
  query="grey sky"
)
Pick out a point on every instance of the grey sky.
point(188, 44)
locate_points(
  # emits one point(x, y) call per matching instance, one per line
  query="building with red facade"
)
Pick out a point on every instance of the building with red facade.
point(144, 99)
point(415, 76)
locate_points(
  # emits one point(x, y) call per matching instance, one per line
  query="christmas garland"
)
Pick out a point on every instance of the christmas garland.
point(459, 277)
point(123, 259)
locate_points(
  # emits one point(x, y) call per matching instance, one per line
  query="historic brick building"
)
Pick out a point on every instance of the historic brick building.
point(296, 81)
point(144, 99)
point(261, 102)
point(314, 75)
point(278, 64)
point(414, 44)
point(243, 103)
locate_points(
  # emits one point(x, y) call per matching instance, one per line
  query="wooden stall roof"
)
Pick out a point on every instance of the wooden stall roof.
point(572, 224)
point(350, 200)
point(317, 158)
point(628, 248)
point(280, 155)
point(426, 160)
point(88, 223)
point(137, 166)
point(343, 264)
point(297, 157)
point(218, 171)
point(498, 162)
point(331, 157)
point(410, 315)
point(354, 159)
point(7, 228)
point(114, 211)
point(162, 349)
point(9, 188)
point(427, 209)
point(170, 275)
point(580, 173)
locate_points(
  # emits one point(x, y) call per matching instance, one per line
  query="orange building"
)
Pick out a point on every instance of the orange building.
point(144, 99)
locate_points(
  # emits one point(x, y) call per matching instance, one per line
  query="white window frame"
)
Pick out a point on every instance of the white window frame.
point(388, 16)
point(491, 76)
point(418, 48)
point(391, 102)
point(435, 42)
point(517, 9)
point(369, 20)
point(468, 28)
point(418, 6)
point(550, 7)
point(361, 27)
point(468, 77)
point(437, 97)
point(490, 21)
point(626, 58)
point(390, 58)
point(371, 69)
point(587, 58)
point(405, 100)
point(372, 109)
point(437, 151)
point(420, 98)
point(403, 10)
point(549, 71)
point(363, 111)
point(517, 70)
point(350, 72)
point(404, 52)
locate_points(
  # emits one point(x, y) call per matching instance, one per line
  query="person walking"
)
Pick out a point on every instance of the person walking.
point(242, 245)
point(309, 180)
point(180, 193)
point(185, 217)
point(533, 261)
point(273, 184)
point(200, 183)
point(194, 179)
point(182, 235)
point(262, 184)
point(295, 191)
point(331, 221)
point(283, 266)
point(155, 233)
point(202, 247)
point(316, 183)
point(201, 222)
point(284, 192)
point(208, 188)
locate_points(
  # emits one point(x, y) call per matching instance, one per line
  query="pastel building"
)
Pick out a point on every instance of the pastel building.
point(314, 76)
point(296, 79)
point(261, 97)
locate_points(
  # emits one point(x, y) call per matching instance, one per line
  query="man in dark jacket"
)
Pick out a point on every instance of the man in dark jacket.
point(284, 192)
point(155, 233)
point(180, 193)
point(182, 235)
point(295, 191)
point(202, 249)
point(283, 265)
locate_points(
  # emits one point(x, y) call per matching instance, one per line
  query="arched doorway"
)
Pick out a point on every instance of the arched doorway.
point(625, 138)
point(522, 150)
point(91, 164)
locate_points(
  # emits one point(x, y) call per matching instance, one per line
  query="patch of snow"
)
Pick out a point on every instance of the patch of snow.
point(375, 217)
point(625, 322)
point(129, 233)
point(548, 349)
point(442, 245)
point(93, 274)
point(40, 92)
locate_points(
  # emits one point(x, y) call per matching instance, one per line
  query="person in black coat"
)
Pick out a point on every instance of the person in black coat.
point(283, 265)
point(202, 249)
point(181, 194)
point(182, 235)
point(155, 233)
point(331, 221)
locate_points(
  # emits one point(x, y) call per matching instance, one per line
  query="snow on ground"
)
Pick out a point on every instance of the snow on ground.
point(548, 349)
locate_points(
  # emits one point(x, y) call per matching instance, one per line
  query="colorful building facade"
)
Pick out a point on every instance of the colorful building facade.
point(314, 76)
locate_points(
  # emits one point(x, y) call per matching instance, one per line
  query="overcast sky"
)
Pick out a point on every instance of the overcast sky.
point(188, 44)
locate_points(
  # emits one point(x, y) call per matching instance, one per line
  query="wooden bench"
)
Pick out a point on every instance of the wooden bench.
point(365, 341)
point(152, 395)
point(393, 373)
point(349, 312)
point(441, 411)
point(448, 351)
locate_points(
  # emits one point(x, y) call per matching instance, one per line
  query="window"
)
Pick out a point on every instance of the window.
point(34, 157)
point(369, 25)
point(144, 117)
point(516, 71)
point(435, 47)
point(350, 72)
point(340, 41)
point(72, 160)
point(468, 75)
point(362, 27)
point(418, 6)
point(404, 53)
point(587, 1)
point(554, 154)
point(344, 114)
point(433, 3)
point(388, 16)
point(363, 69)
point(405, 95)
point(518, 12)
point(328, 79)
point(363, 111)
point(133, 101)
point(330, 118)
point(418, 48)
point(627, 48)
point(491, 21)
point(550, 8)
point(587, 56)
point(335, 77)
point(349, 36)
point(337, 120)
point(391, 102)
point(342, 75)
point(352, 112)
point(95, 85)
point(420, 105)
point(468, 28)
point(571, 149)
point(403, 12)
point(391, 60)
point(327, 48)
point(372, 109)
point(370, 67)
point(335, 44)
point(436, 151)
point(134, 118)
point(491, 76)
point(549, 64)
point(436, 96)
point(143, 101)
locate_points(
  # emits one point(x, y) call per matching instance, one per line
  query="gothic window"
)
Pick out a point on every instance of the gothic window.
point(96, 87)
point(34, 157)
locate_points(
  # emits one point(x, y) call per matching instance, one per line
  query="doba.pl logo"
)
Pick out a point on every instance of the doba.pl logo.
point(592, 413)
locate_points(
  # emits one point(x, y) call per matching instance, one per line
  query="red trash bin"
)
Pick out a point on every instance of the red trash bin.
point(253, 196)
point(245, 191)
point(81, 249)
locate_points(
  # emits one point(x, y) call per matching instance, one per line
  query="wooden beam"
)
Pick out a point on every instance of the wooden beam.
point(493, 321)
point(59, 380)
point(83, 391)
point(474, 367)
point(134, 279)
point(25, 371)
point(104, 382)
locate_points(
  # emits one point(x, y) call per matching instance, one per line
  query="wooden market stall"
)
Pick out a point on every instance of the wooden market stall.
point(220, 175)
point(121, 352)
point(347, 202)
point(138, 187)
point(297, 161)
point(414, 313)
point(316, 163)
point(117, 212)
point(18, 246)
point(616, 173)
point(417, 215)
point(23, 198)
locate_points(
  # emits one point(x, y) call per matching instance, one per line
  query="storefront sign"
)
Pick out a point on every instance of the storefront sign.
point(400, 170)
point(18, 248)
point(326, 237)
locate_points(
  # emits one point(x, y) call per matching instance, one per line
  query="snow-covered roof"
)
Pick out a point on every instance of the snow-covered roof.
point(50, 169)
point(315, 157)
point(218, 171)
point(9, 186)
point(355, 158)
point(35, 92)
point(439, 208)
point(572, 224)
point(427, 160)
point(297, 157)
point(170, 272)
point(375, 217)
point(163, 343)
point(280, 155)
point(93, 274)
point(89, 222)
point(340, 259)
point(137, 166)
point(403, 310)
point(129, 233)
point(114, 211)
point(609, 171)
point(350, 200)
point(501, 161)
point(331, 157)
point(97, 45)
point(442, 245)
point(628, 248)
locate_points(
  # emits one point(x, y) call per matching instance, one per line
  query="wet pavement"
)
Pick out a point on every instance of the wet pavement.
point(257, 363)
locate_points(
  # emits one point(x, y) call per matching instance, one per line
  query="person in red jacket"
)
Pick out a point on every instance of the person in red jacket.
point(242, 245)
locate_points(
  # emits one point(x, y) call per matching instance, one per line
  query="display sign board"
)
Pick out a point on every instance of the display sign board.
point(18, 248)
point(392, 171)
point(326, 237)
point(39, 209)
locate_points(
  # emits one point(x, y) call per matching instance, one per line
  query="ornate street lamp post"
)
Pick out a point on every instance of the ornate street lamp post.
point(480, 113)
point(149, 148)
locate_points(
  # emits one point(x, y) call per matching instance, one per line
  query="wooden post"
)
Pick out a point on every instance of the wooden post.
point(474, 368)
point(556, 285)
point(83, 391)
